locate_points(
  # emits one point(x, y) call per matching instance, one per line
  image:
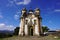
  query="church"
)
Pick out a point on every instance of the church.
point(30, 22)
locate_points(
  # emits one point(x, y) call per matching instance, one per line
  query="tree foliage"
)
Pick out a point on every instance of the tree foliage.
point(45, 28)
point(16, 30)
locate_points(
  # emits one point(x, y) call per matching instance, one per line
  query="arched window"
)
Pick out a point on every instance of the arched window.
point(26, 21)
point(34, 22)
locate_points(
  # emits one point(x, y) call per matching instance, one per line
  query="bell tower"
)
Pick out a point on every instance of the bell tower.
point(39, 19)
point(22, 20)
point(37, 11)
point(24, 11)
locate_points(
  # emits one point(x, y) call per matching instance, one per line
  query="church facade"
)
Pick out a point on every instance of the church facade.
point(30, 23)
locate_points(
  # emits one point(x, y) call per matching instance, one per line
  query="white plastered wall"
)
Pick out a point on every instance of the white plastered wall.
point(21, 28)
point(36, 26)
point(26, 26)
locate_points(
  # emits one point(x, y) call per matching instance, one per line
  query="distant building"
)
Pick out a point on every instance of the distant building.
point(53, 32)
point(30, 22)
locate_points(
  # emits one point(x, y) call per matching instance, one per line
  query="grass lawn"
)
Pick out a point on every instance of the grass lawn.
point(31, 38)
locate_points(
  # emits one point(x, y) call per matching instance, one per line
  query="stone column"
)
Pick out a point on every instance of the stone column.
point(26, 30)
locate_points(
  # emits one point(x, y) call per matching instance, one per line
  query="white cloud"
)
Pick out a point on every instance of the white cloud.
point(10, 27)
point(6, 27)
point(13, 2)
point(57, 10)
point(16, 16)
point(2, 24)
point(25, 2)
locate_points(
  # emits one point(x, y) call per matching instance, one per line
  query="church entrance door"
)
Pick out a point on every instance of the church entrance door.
point(31, 31)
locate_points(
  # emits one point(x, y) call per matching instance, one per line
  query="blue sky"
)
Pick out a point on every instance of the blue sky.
point(10, 12)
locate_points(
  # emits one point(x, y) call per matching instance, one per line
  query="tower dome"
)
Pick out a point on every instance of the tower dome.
point(30, 11)
point(24, 11)
point(37, 11)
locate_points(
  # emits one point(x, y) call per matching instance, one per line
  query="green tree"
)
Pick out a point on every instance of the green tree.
point(16, 30)
point(45, 29)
